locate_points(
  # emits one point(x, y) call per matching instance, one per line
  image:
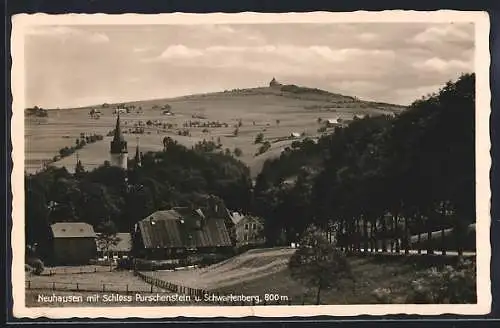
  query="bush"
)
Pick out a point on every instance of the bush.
point(37, 266)
point(238, 152)
point(124, 264)
point(448, 285)
point(322, 129)
point(259, 138)
point(265, 147)
point(383, 295)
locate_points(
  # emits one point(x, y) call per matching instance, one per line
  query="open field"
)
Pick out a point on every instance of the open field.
point(44, 136)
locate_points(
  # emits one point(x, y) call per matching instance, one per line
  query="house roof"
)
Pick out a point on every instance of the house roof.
point(124, 243)
point(72, 230)
point(182, 227)
point(251, 219)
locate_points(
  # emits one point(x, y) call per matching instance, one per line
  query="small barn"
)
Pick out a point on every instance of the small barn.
point(119, 250)
point(73, 243)
point(175, 233)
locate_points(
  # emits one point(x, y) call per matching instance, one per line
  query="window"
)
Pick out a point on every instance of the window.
point(254, 226)
point(245, 238)
point(246, 226)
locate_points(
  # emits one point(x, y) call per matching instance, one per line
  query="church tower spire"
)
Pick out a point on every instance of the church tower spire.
point(138, 155)
point(118, 149)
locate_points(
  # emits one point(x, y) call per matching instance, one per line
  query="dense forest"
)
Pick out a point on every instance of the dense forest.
point(397, 176)
point(394, 176)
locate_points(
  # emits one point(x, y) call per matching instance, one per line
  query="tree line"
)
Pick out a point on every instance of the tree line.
point(176, 176)
point(380, 179)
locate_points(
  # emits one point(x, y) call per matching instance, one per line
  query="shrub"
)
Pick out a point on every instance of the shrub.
point(448, 285)
point(265, 147)
point(383, 295)
point(322, 129)
point(238, 152)
point(37, 266)
point(124, 264)
point(259, 138)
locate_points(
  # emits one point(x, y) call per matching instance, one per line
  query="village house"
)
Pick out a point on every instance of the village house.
point(359, 116)
point(249, 231)
point(176, 233)
point(73, 243)
point(120, 250)
point(333, 122)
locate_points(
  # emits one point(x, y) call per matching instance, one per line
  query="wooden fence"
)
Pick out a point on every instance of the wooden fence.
point(90, 287)
point(153, 281)
point(200, 293)
point(75, 270)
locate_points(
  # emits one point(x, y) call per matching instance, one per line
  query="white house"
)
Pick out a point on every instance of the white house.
point(333, 122)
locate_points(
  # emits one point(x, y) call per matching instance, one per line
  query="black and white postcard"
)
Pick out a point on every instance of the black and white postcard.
point(233, 165)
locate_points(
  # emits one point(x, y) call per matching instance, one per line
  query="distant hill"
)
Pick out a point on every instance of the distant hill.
point(280, 112)
point(289, 91)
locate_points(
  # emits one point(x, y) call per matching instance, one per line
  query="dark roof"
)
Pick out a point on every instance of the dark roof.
point(72, 230)
point(124, 243)
point(183, 227)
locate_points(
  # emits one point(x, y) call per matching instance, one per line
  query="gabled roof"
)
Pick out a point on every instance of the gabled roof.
point(235, 216)
point(251, 219)
point(183, 227)
point(72, 230)
point(124, 243)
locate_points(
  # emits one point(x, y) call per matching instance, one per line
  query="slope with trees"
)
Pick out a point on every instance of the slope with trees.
point(380, 178)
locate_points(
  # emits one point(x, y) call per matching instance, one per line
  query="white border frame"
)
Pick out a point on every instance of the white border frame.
point(483, 163)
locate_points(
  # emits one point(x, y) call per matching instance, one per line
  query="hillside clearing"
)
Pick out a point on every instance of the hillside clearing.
point(239, 269)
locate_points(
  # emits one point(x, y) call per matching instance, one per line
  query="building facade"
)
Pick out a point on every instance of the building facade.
point(73, 243)
point(120, 250)
point(250, 231)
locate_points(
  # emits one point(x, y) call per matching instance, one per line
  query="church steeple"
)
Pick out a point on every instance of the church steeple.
point(138, 155)
point(118, 149)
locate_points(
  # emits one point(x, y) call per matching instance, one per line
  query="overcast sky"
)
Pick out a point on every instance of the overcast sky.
point(70, 66)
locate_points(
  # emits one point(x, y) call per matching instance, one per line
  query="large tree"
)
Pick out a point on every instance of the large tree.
point(317, 263)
